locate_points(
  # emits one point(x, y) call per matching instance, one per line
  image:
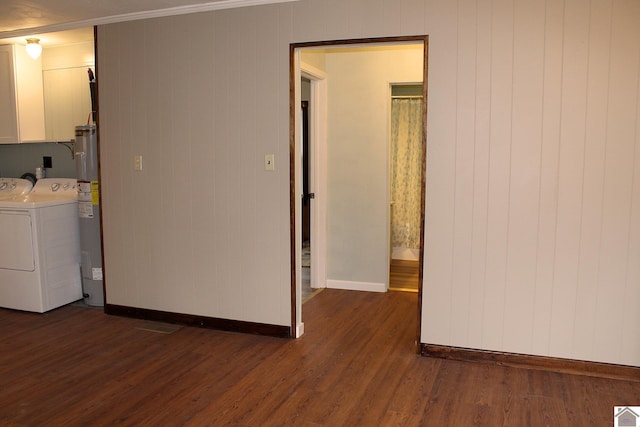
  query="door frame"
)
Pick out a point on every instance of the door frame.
point(318, 167)
point(295, 73)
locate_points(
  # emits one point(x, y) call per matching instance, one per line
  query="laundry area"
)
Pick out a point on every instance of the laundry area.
point(50, 243)
point(50, 251)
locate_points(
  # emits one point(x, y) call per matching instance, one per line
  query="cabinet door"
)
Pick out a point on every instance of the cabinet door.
point(28, 72)
point(8, 106)
point(67, 101)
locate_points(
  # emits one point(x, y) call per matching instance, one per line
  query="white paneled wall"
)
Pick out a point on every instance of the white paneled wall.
point(539, 201)
point(533, 169)
point(203, 229)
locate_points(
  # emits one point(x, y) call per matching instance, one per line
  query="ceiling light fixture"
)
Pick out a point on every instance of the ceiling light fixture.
point(33, 48)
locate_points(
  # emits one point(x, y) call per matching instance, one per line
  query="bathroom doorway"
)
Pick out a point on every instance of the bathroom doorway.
point(405, 164)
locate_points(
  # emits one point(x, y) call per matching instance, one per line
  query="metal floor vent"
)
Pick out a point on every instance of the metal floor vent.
point(163, 328)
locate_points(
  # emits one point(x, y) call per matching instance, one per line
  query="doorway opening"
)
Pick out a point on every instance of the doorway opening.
point(310, 286)
point(347, 192)
point(405, 181)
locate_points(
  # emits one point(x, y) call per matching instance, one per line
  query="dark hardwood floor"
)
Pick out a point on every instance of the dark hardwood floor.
point(355, 366)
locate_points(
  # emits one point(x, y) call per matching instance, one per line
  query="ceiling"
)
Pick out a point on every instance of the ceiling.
point(51, 20)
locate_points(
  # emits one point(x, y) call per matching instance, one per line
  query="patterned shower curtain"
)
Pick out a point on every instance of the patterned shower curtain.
point(406, 164)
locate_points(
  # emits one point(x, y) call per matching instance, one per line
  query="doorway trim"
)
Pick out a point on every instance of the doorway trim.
point(297, 327)
point(317, 175)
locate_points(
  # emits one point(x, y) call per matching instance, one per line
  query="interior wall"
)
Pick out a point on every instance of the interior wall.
point(532, 231)
point(17, 159)
point(358, 117)
point(532, 223)
point(203, 229)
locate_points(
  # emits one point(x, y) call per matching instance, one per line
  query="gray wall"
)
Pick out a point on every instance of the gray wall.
point(16, 159)
point(533, 184)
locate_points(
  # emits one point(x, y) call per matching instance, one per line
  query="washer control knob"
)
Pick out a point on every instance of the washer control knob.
point(55, 187)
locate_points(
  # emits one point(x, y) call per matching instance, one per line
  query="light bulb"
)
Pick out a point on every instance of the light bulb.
point(33, 48)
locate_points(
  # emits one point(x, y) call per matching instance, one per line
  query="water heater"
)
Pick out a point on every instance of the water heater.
point(86, 154)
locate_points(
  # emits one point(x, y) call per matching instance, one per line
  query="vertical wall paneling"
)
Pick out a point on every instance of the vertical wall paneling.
point(411, 15)
point(236, 199)
point(618, 181)
point(533, 188)
point(440, 203)
point(549, 164)
point(221, 166)
point(305, 29)
point(202, 36)
point(499, 171)
point(269, 224)
point(126, 94)
point(152, 105)
point(284, 28)
point(247, 146)
point(169, 99)
point(630, 346)
point(137, 93)
point(194, 213)
point(597, 105)
point(187, 97)
point(526, 125)
point(464, 166)
point(482, 139)
point(570, 184)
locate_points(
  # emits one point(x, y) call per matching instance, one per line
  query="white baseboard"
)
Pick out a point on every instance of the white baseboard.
point(299, 330)
point(407, 254)
point(356, 286)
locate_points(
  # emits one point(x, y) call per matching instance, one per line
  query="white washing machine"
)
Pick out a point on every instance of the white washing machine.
point(40, 247)
point(11, 187)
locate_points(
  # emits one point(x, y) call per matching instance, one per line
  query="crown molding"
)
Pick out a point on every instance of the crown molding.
point(134, 16)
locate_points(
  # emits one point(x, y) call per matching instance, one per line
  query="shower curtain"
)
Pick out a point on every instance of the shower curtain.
point(406, 164)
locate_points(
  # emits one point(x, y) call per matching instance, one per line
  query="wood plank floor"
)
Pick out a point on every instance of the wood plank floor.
point(403, 275)
point(355, 366)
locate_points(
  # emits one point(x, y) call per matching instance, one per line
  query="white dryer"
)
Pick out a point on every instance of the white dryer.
point(40, 249)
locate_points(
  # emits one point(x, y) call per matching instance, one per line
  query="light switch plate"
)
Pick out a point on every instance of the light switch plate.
point(137, 162)
point(269, 162)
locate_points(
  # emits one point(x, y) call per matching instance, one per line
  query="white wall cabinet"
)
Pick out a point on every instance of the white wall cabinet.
point(67, 101)
point(21, 96)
